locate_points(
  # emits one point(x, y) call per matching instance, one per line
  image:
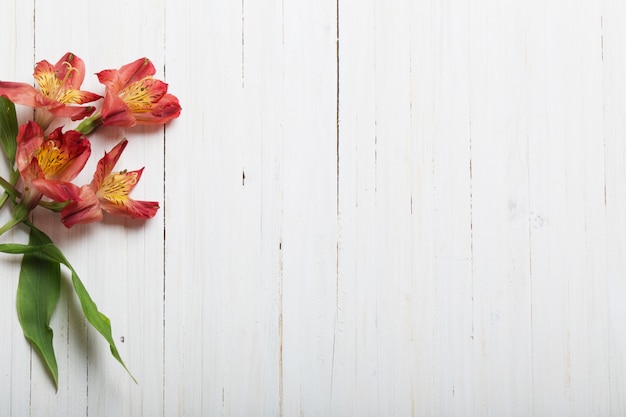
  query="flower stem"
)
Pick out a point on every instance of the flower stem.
point(20, 214)
point(9, 188)
point(89, 124)
point(9, 225)
point(53, 205)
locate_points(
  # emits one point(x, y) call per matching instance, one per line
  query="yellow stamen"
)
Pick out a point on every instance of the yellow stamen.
point(116, 187)
point(137, 95)
point(52, 159)
point(50, 85)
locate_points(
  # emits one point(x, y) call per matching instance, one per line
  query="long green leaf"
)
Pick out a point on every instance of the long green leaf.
point(38, 292)
point(98, 320)
point(8, 128)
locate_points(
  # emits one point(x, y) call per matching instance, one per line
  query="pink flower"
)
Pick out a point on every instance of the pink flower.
point(59, 89)
point(134, 97)
point(59, 157)
point(107, 191)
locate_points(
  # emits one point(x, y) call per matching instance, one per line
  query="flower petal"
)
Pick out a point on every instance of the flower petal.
point(60, 191)
point(166, 109)
point(131, 208)
point(115, 112)
point(127, 74)
point(136, 71)
point(118, 185)
point(63, 155)
point(29, 139)
point(31, 194)
point(106, 164)
point(71, 69)
point(113, 195)
point(86, 209)
point(24, 94)
point(73, 112)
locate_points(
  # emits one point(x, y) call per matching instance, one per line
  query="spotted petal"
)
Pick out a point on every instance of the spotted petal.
point(113, 195)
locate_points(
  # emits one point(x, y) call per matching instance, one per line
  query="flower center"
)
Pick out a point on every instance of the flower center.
point(116, 187)
point(137, 95)
point(51, 159)
point(52, 87)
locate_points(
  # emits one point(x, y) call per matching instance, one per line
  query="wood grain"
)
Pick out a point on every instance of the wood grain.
point(367, 208)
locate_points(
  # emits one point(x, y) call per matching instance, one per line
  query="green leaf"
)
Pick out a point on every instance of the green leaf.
point(8, 128)
point(38, 292)
point(98, 320)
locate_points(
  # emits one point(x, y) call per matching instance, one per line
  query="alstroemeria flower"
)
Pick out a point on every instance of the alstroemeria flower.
point(59, 90)
point(134, 97)
point(59, 157)
point(107, 191)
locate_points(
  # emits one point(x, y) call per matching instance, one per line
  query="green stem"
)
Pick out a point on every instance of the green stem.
point(9, 225)
point(53, 205)
point(9, 188)
point(89, 124)
point(20, 214)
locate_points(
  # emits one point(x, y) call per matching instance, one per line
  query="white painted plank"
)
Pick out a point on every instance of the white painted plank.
point(386, 209)
point(354, 388)
point(212, 343)
point(262, 141)
point(614, 96)
point(453, 367)
point(248, 117)
point(499, 80)
point(309, 225)
point(570, 346)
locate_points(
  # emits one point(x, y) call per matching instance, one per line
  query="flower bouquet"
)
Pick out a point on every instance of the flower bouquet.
point(43, 163)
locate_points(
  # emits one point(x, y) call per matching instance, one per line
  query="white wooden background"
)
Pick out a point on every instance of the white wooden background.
point(432, 220)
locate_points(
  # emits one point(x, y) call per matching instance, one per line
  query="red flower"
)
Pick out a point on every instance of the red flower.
point(134, 97)
point(58, 90)
point(107, 191)
point(58, 158)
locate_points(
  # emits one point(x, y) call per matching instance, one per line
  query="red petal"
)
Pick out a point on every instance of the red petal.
point(57, 190)
point(73, 152)
point(77, 74)
point(116, 80)
point(115, 111)
point(22, 93)
point(73, 112)
point(83, 96)
point(86, 209)
point(29, 139)
point(136, 71)
point(166, 109)
point(109, 78)
point(107, 162)
point(131, 208)
point(42, 67)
